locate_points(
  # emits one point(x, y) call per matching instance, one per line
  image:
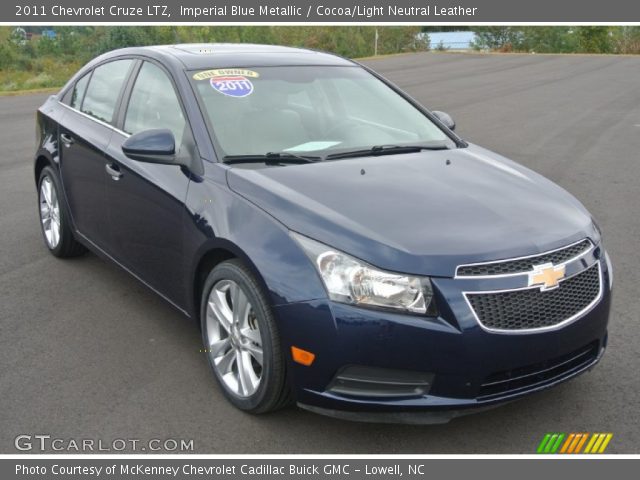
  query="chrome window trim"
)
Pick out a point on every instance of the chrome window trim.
point(104, 124)
point(548, 328)
point(515, 259)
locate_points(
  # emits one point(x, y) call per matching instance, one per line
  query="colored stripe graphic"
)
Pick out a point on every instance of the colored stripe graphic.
point(552, 440)
point(577, 438)
point(598, 443)
point(556, 445)
point(573, 443)
point(605, 443)
point(550, 443)
point(581, 442)
point(543, 443)
point(593, 439)
point(567, 443)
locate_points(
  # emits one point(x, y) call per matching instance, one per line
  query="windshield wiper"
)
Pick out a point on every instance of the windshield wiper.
point(377, 150)
point(270, 158)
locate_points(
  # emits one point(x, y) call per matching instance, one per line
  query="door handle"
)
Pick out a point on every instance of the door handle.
point(66, 139)
point(113, 170)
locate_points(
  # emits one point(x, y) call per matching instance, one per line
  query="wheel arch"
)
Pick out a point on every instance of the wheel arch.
point(40, 163)
point(213, 254)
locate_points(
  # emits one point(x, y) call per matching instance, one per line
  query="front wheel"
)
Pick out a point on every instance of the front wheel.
point(241, 339)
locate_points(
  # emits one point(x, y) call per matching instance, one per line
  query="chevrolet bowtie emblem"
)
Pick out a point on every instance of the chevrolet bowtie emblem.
point(547, 276)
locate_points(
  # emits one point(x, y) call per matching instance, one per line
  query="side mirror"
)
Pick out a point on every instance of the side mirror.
point(152, 146)
point(446, 119)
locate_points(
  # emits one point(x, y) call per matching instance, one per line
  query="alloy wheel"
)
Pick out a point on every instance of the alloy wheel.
point(50, 213)
point(233, 338)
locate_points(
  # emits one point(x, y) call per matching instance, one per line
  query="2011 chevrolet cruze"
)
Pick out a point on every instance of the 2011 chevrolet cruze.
point(338, 243)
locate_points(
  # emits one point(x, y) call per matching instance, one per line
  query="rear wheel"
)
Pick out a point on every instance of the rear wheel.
point(241, 340)
point(54, 219)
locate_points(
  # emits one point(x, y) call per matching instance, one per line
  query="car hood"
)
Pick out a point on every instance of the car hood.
point(422, 213)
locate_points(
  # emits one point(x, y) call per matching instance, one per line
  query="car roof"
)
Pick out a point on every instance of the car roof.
point(195, 56)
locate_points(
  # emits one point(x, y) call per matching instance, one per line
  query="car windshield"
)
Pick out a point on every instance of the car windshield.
point(309, 111)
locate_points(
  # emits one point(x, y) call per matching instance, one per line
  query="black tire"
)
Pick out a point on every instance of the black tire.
point(273, 391)
point(67, 245)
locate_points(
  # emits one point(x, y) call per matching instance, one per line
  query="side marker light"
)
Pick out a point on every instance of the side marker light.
point(302, 356)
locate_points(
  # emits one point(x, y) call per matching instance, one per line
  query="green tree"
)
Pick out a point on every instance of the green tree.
point(626, 39)
point(548, 40)
point(121, 37)
point(497, 38)
point(594, 39)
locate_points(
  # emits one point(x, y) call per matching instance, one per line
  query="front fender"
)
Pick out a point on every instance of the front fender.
point(221, 219)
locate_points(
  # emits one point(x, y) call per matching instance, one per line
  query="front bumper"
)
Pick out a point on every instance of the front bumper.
point(464, 359)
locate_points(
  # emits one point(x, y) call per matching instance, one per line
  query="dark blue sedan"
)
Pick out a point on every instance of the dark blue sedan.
point(339, 245)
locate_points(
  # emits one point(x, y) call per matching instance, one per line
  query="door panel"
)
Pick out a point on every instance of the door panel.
point(82, 163)
point(146, 200)
point(84, 136)
point(146, 209)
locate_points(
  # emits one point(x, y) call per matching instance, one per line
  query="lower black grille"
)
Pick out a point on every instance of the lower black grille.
point(526, 378)
point(533, 308)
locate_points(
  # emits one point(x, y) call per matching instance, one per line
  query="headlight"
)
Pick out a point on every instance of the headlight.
point(349, 280)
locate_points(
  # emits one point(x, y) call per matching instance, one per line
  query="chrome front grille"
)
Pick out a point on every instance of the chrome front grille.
point(524, 264)
point(531, 308)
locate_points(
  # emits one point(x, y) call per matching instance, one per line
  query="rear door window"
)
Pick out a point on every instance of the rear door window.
point(77, 93)
point(104, 89)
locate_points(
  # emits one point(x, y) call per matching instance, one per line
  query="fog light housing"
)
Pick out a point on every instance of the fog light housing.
point(362, 381)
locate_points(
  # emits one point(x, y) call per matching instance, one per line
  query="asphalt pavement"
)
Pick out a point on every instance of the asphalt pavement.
point(86, 352)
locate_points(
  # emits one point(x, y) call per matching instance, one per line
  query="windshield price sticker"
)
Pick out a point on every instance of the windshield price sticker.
point(233, 82)
point(232, 86)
